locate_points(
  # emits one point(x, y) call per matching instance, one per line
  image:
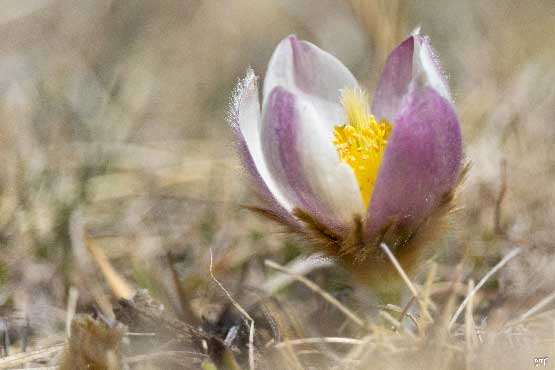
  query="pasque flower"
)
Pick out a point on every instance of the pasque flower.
point(345, 173)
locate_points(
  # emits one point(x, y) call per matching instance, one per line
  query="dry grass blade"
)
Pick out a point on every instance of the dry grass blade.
point(21, 358)
point(427, 303)
point(499, 201)
point(536, 308)
point(388, 317)
point(315, 288)
point(490, 273)
point(317, 340)
point(405, 312)
point(120, 287)
point(469, 326)
point(399, 269)
point(241, 310)
point(301, 266)
point(72, 299)
point(184, 355)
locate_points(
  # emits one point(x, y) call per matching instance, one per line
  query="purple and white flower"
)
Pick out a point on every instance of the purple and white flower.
point(319, 154)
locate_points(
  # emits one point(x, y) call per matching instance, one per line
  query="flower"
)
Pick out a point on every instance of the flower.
point(343, 173)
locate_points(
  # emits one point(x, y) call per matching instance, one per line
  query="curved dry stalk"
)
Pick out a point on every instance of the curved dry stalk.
point(241, 310)
point(537, 307)
point(490, 273)
point(315, 288)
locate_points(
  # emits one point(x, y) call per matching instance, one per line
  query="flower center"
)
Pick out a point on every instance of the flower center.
point(361, 141)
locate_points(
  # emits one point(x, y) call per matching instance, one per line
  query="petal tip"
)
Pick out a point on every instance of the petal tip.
point(416, 31)
point(290, 42)
point(292, 38)
point(298, 48)
point(245, 86)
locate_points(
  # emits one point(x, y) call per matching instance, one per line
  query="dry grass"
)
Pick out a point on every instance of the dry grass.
point(118, 175)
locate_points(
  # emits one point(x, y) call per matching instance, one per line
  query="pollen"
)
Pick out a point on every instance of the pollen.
point(361, 141)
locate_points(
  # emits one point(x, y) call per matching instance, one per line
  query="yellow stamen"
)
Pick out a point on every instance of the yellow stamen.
point(361, 141)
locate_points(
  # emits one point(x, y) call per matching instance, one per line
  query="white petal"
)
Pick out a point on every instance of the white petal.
point(247, 107)
point(427, 70)
point(306, 70)
point(299, 150)
point(333, 179)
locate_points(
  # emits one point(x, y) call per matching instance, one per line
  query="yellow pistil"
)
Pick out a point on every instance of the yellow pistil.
point(361, 141)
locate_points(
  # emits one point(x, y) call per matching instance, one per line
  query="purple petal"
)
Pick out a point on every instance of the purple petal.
point(421, 162)
point(394, 81)
point(244, 117)
point(304, 162)
point(279, 143)
point(412, 65)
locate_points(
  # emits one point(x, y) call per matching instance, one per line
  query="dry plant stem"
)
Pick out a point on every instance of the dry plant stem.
point(490, 273)
point(449, 307)
point(241, 310)
point(469, 320)
point(401, 311)
point(84, 265)
point(120, 287)
point(537, 307)
point(499, 201)
point(72, 298)
point(317, 340)
point(301, 266)
point(427, 293)
point(21, 358)
point(388, 317)
point(405, 278)
point(405, 312)
point(163, 354)
point(399, 269)
point(407, 306)
point(315, 288)
point(184, 306)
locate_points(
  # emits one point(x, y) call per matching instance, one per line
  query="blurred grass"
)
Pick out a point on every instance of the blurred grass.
point(113, 113)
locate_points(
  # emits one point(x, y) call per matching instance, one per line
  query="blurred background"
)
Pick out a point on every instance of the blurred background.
point(113, 134)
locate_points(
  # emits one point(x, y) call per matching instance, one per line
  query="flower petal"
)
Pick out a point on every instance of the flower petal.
point(421, 162)
point(394, 81)
point(427, 68)
point(303, 160)
point(412, 65)
point(306, 70)
point(244, 118)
